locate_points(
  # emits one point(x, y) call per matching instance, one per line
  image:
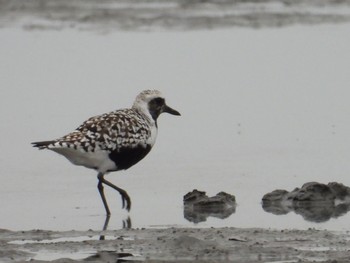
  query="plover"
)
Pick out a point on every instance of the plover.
point(113, 141)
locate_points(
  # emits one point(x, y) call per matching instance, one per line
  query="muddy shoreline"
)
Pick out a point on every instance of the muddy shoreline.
point(109, 15)
point(175, 245)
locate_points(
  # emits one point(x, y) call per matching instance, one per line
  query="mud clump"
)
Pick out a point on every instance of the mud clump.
point(314, 201)
point(198, 206)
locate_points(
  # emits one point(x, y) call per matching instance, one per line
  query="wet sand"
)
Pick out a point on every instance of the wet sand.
point(176, 245)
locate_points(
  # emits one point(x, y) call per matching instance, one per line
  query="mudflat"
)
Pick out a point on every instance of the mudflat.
point(176, 245)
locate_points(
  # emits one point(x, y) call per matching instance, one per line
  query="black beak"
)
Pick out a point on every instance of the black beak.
point(170, 110)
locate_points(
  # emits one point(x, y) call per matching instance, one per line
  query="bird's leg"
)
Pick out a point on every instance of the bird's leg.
point(125, 197)
point(102, 236)
point(100, 189)
point(106, 223)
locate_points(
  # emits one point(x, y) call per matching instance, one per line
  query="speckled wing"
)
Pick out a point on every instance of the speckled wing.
point(111, 132)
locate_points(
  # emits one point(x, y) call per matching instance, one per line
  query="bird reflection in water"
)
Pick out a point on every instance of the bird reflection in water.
point(110, 255)
point(126, 225)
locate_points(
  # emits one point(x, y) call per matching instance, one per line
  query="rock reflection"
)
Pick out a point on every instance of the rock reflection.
point(198, 206)
point(315, 202)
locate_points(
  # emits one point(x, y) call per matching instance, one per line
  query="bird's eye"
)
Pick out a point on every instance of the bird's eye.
point(159, 101)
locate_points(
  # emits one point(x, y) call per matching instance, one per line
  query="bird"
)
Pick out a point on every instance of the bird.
point(113, 141)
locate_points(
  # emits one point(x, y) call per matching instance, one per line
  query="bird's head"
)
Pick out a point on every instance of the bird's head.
point(151, 102)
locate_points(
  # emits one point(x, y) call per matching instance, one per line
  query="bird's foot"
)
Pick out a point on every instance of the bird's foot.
point(126, 201)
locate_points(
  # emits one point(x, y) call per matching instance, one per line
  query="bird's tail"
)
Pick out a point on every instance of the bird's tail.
point(43, 144)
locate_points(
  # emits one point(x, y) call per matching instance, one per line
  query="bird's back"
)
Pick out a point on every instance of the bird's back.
point(108, 142)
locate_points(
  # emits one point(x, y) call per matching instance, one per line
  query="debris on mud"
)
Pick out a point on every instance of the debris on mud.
point(253, 245)
point(198, 206)
point(314, 201)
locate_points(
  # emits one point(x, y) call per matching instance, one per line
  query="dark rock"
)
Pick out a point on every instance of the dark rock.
point(275, 195)
point(339, 190)
point(218, 202)
point(314, 201)
point(198, 206)
point(314, 192)
point(194, 196)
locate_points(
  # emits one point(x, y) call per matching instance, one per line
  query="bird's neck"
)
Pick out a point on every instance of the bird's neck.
point(143, 110)
point(151, 122)
point(147, 116)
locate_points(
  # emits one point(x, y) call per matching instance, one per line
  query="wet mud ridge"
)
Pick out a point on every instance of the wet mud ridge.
point(111, 15)
point(175, 245)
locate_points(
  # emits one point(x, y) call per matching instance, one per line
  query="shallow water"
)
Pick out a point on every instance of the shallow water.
point(261, 110)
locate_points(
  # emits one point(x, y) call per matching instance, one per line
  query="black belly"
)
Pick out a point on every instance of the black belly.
point(124, 158)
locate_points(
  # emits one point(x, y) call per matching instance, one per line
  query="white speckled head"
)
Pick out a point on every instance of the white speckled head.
point(151, 103)
point(145, 97)
point(142, 100)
